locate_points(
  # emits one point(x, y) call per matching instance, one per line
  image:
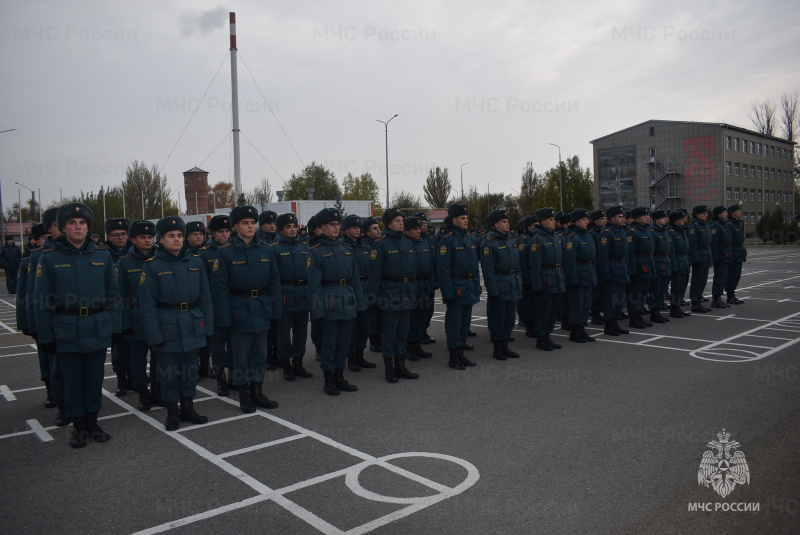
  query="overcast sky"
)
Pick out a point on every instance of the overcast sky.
point(92, 86)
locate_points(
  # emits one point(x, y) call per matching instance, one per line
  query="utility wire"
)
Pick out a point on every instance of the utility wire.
point(262, 156)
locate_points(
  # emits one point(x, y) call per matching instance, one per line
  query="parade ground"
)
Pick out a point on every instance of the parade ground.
point(596, 438)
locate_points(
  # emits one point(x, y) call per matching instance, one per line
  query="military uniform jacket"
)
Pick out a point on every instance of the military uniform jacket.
point(736, 228)
point(545, 259)
point(679, 248)
point(24, 300)
point(175, 302)
point(294, 261)
point(721, 241)
point(361, 251)
point(192, 250)
point(661, 249)
point(12, 255)
point(580, 257)
point(116, 254)
point(700, 243)
point(426, 269)
point(392, 272)
point(69, 280)
point(30, 283)
point(336, 291)
point(457, 268)
point(267, 238)
point(208, 254)
point(640, 252)
point(129, 274)
point(246, 286)
point(612, 255)
point(500, 265)
point(523, 244)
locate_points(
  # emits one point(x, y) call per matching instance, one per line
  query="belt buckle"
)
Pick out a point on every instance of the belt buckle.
point(624, 259)
point(558, 266)
point(513, 271)
point(590, 262)
point(405, 280)
point(469, 277)
point(184, 307)
point(253, 293)
point(83, 311)
point(342, 282)
point(300, 283)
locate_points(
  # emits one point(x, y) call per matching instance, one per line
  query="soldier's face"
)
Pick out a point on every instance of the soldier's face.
point(503, 225)
point(41, 240)
point(269, 227)
point(461, 221)
point(723, 216)
point(172, 241)
point(424, 227)
point(76, 231)
point(353, 232)
point(374, 231)
point(737, 214)
point(331, 230)
point(702, 216)
point(397, 224)
point(289, 230)
point(582, 222)
point(54, 231)
point(680, 222)
point(618, 220)
point(143, 242)
point(222, 236)
point(661, 221)
point(602, 222)
point(413, 233)
point(643, 219)
point(549, 223)
point(118, 238)
point(196, 238)
point(246, 228)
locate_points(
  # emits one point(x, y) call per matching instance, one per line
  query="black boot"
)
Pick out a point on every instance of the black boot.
point(675, 312)
point(288, 370)
point(79, 434)
point(418, 351)
point(541, 343)
point(410, 352)
point(609, 328)
point(259, 399)
point(470, 332)
point(172, 422)
point(94, 430)
point(636, 321)
point(467, 347)
point(597, 319)
point(49, 402)
point(586, 335)
point(566, 325)
point(299, 371)
point(733, 300)
point(656, 317)
point(364, 363)
point(188, 413)
point(454, 361)
point(61, 418)
point(352, 363)
point(330, 383)
point(317, 351)
point(245, 400)
point(401, 370)
point(553, 344)
point(389, 373)
point(498, 351)
point(576, 336)
point(122, 384)
point(426, 339)
point(619, 329)
point(341, 382)
point(716, 302)
point(510, 354)
point(222, 382)
point(463, 358)
point(375, 343)
point(698, 307)
point(144, 398)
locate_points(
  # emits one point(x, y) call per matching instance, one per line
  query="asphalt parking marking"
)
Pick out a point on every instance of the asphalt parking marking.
point(767, 283)
point(723, 348)
point(39, 431)
point(7, 393)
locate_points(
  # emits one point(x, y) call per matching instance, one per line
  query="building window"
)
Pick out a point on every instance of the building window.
point(784, 176)
point(736, 194)
point(736, 144)
point(772, 196)
point(736, 169)
point(759, 173)
point(784, 197)
point(728, 142)
point(758, 149)
point(759, 216)
point(772, 174)
point(728, 194)
point(728, 168)
point(752, 219)
point(785, 157)
point(652, 131)
point(752, 171)
point(759, 195)
point(752, 147)
point(752, 195)
point(772, 151)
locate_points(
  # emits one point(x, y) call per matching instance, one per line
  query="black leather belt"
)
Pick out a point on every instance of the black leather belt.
point(621, 259)
point(469, 277)
point(422, 277)
point(82, 311)
point(183, 307)
point(248, 293)
point(505, 271)
point(404, 280)
point(294, 283)
point(646, 255)
point(551, 266)
point(340, 282)
point(585, 262)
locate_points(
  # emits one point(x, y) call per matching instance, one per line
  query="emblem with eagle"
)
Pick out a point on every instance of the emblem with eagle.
point(723, 470)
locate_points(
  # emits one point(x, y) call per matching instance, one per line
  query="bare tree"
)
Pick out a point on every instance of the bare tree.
point(790, 116)
point(762, 115)
point(253, 198)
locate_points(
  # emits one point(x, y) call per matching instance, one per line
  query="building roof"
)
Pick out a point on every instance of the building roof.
point(436, 214)
point(721, 125)
point(195, 170)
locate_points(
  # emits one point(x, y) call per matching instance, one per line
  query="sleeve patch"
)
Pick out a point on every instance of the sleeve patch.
point(485, 251)
point(569, 246)
point(533, 247)
point(142, 278)
point(443, 250)
point(373, 254)
point(603, 241)
point(630, 239)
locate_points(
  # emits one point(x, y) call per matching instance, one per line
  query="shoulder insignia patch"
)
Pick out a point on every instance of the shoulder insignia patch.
point(448, 234)
point(101, 248)
point(691, 231)
point(215, 267)
point(521, 247)
point(379, 238)
point(142, 278)
point(308, 262)
point(124, 257)
point(48, 250)
point(443, 250)
point(150, 259)
point(313, 246)
point(373, 254)
point(38, 270)
point(533, 248)
point(490, 238)
point(569, 246)
point(224, 245)
point(603, 241)
point(485, 251)
point(630, 239)
point(713, 231)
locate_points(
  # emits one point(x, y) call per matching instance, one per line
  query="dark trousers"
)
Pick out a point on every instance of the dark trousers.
point(734, 274)
point(44, 364)
point(375, 323)
point(613, 300)
point(335, 335)
point(120, 358)
point(456, 324)
point(699, 280)
point(56, 377)
point(221, 356)
point(658, 289)
point(597, 297)
point(138, 350)
point(395, 332)
point(429, 311)
point(273, 336)
point(83, 382)
point(546, 306)
point(11, 280)
point(500, 316)
point(563, 306)
point(249, 357)
point(178, 374)
point(528, 312)
point(316, 332)
point(720, 278)
point(293, 333)
point(637, 290)
point(580, 301)
point(678, 283)
point(358, 339)
point(419, 318)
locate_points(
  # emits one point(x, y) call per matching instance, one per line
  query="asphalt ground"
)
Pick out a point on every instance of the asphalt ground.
point(594, 438)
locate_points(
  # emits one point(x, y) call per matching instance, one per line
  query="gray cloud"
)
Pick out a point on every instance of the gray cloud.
point(202, 21)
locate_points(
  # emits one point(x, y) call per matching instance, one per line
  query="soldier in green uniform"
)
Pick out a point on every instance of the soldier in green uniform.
point(315, 234)
point(177, 317)
point(597, 222)
point(663, 266)
point(12, 255)
point(641, 266)
point(612, 269)
point(721, 250)
point(679, 262)
point(425, 288)
point(525, 307)
point(428, 236)
point(195, 239)
point(118, 246)
point(580, 256)
point(545, 259)
point(351, 237)
point(700, 255)
point(267, 232)
point(503, 282)
point(736, 226)
point(336, 297)
point(76, 303)
point(371, 231)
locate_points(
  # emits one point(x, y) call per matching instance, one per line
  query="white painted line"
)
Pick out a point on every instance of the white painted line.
point(782, 330)
point(216, 422)
point(17, 391)
point(653, 339)
point(43, 435)
point(768, 282)
point(19, 354)
point(7, 393)
point(727, 341)
point(729, 316)
point(260, 446)
point(203, 516)
point(9, 329)
point(768, 337)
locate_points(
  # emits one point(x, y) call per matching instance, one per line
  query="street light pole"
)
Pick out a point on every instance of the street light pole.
point(386, 125)
point(35, 214)
point(462, 179)
point(560, 180)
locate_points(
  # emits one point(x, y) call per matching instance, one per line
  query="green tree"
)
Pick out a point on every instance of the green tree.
point(577, 186)
point(361, 188)
point(144, 190)
point(529, 191)
point(313, 176)
point(407, 202)
point(437, 188)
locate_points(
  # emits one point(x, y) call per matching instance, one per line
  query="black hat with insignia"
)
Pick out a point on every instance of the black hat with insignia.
point(639, 211)
point(565, 218)
point(628, 214)
point(390, 214)
point(286, 219)
point(700, 209)
point(614, 211)
point(73, 210)
point(675, 215)
point(351, 220)
point(168, 224)
point(545, 213)
point(312, 223)
point(367, 223)
point(530, 220)
point(421, 216)
point(732, 208)
point(457, 210)
point(412, 222)
point(327, 215)
point(267, 216)
point(578, 213)
point(220, 222)
point(496, 216)
point(50, 216)
point(142, 228)
point(718, 210)
point(658, 214)
point(594, 215)
point(38, 230)
point(240, 213)
point(117, 223)
point(195, 226)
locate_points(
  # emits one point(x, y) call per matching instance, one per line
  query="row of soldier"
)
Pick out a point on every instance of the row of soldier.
point(237, 298)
